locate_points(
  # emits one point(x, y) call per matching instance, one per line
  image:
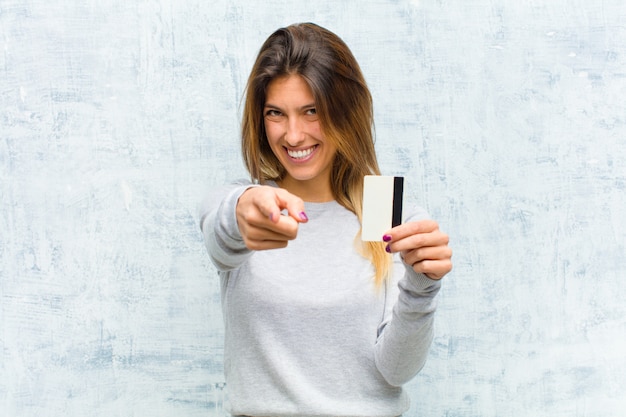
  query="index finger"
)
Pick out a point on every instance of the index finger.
point(282, 200)
point(293, 204)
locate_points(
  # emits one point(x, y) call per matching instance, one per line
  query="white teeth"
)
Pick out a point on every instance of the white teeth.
point(300, 154)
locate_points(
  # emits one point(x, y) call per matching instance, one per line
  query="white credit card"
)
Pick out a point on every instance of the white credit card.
point(382, 205)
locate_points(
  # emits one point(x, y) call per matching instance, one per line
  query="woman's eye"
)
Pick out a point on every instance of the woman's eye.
point(272, 113)
point(311, 111)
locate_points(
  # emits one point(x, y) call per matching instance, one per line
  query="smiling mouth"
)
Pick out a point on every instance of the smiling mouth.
point(301, 154)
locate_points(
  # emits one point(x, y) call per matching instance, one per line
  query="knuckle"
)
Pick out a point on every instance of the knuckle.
point(419, 241)
point(292, 234)
point(250, 244)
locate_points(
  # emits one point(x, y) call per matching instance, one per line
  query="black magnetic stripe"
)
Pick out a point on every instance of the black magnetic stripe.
point(398, 189)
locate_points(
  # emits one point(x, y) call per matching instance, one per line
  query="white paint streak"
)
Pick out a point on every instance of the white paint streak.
point(128, 194)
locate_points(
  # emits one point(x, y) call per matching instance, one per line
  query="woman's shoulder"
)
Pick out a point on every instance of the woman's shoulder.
point(414, 212)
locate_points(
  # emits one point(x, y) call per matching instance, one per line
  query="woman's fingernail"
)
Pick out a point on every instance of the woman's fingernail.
point(303, 216)
point(388, 249)
point(386, 238)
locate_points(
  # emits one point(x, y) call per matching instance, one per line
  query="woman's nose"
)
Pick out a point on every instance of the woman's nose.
point(295, 133)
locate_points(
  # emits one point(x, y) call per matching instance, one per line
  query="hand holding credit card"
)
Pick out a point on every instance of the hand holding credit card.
point(382, 205)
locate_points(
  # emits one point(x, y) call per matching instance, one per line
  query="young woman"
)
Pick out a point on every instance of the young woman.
point(317, 322)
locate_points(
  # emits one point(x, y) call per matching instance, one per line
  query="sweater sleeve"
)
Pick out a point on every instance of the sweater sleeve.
point(218, 222)
point(406, 334)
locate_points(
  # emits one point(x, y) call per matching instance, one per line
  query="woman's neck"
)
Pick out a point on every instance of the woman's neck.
point(309, 191)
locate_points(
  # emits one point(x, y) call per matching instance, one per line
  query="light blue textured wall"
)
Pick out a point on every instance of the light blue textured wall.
point(508, 118)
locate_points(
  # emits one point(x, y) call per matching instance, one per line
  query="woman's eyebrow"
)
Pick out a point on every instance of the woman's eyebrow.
point(273, 106)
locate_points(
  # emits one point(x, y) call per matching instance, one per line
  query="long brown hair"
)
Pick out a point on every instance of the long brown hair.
point(343, 103)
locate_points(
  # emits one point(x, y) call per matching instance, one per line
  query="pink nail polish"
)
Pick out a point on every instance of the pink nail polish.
point(303, 216)
point(386, 238)
point(388, 249)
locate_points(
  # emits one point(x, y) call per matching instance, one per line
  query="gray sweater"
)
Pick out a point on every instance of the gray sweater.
point(307, 333)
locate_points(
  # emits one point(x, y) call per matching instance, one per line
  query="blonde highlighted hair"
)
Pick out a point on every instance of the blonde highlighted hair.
point(343, 103)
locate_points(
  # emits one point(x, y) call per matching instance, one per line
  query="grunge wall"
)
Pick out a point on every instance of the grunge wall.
point(507, 118)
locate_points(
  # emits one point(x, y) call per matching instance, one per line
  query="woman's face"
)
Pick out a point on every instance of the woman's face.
point(296, 138)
